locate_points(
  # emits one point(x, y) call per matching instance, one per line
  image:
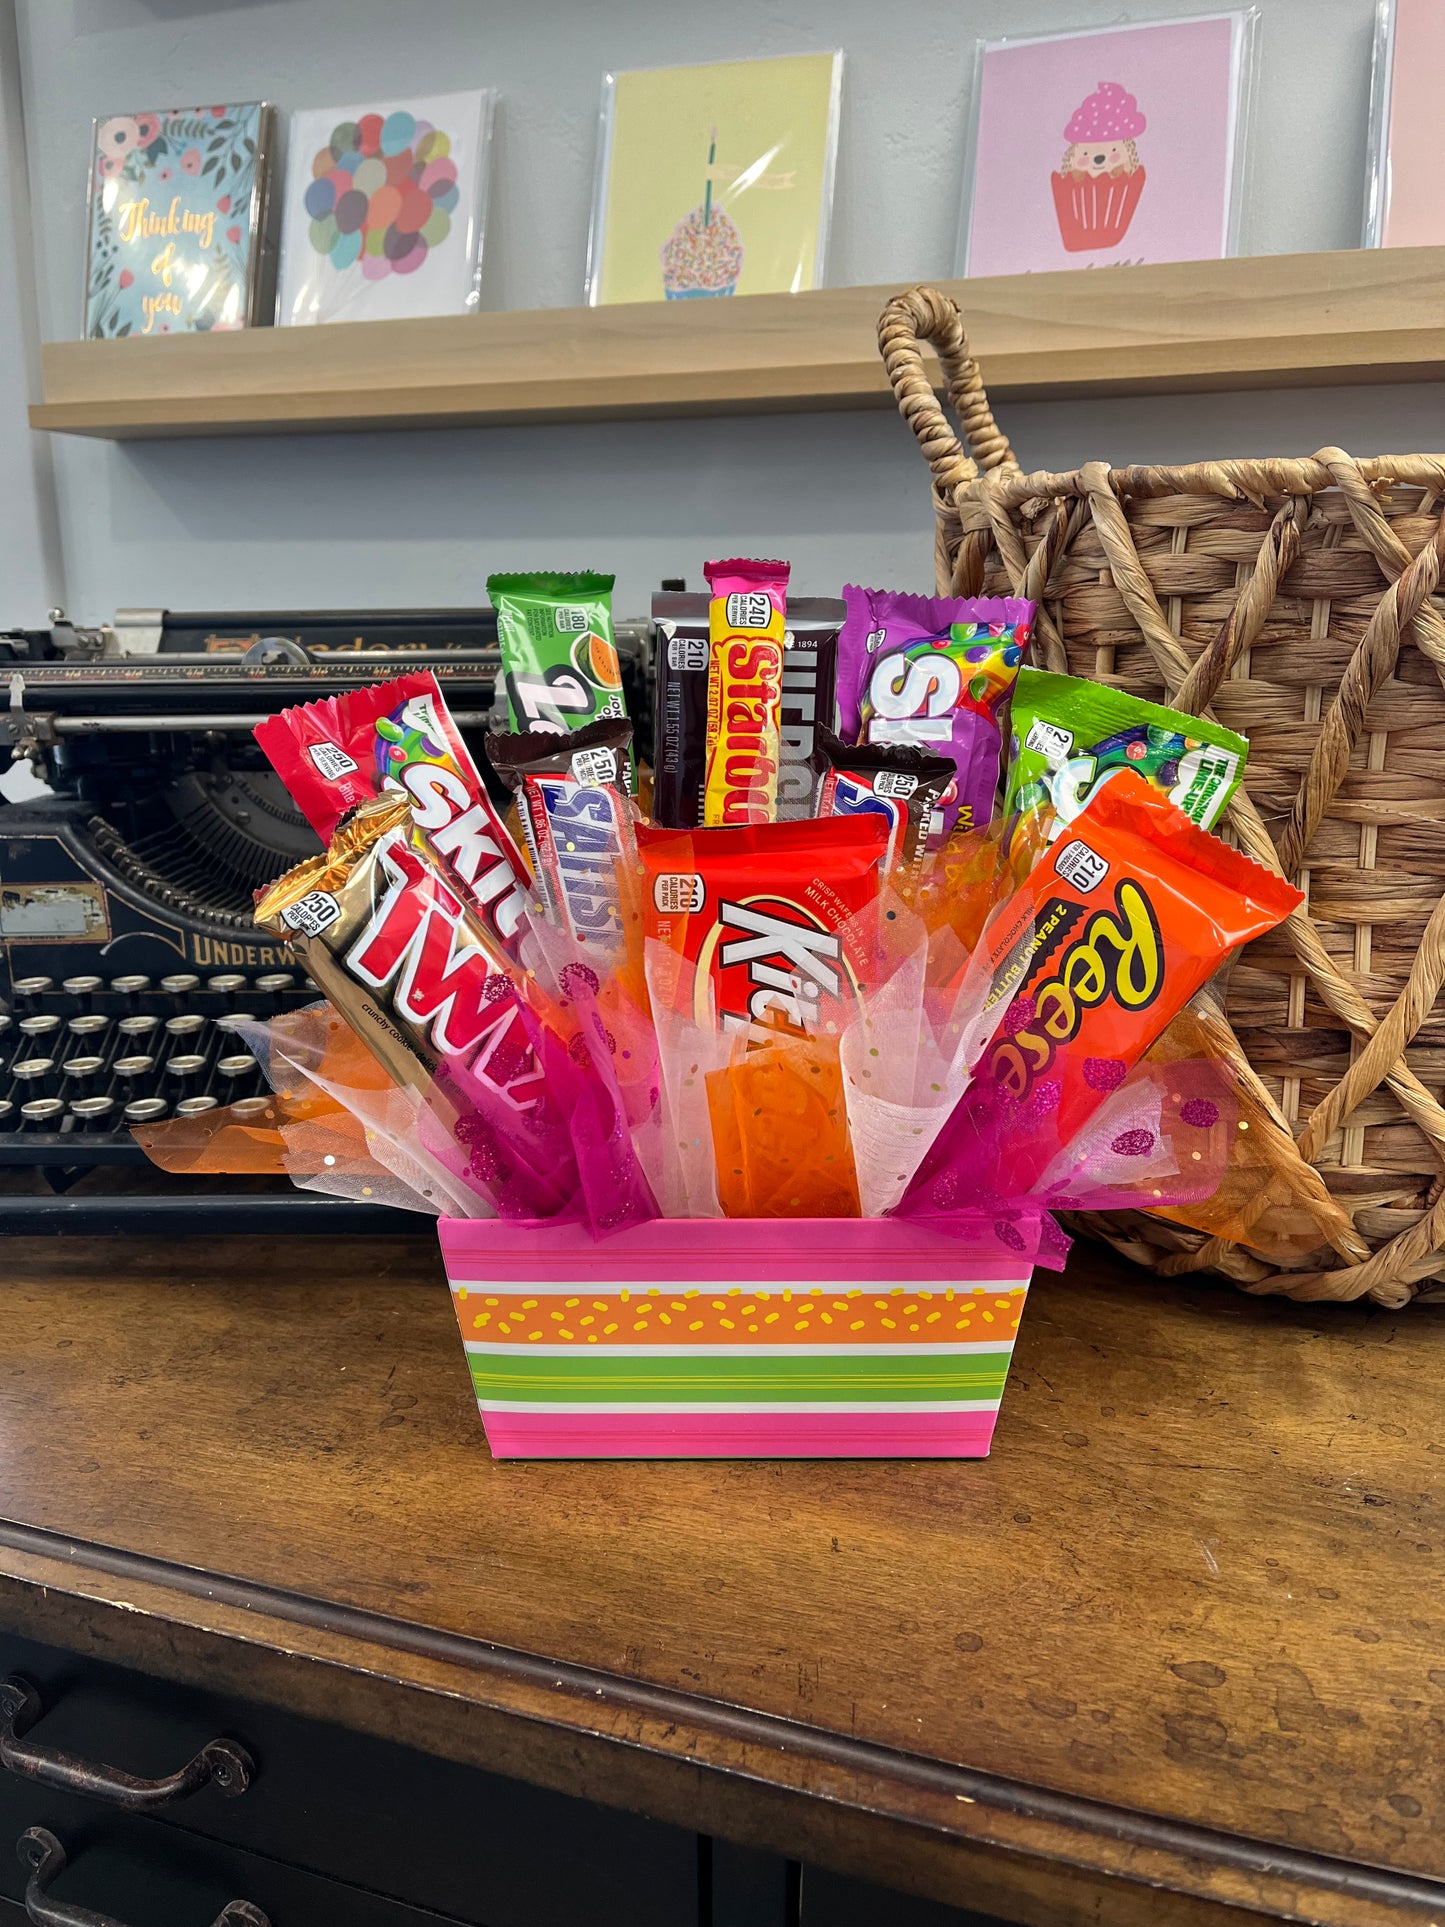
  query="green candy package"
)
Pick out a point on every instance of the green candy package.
point(1071, 736)
point(559, 656)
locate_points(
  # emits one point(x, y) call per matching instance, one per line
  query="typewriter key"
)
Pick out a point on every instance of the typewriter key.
point(138, 1027)
point(32, 1070)
point(79, 1071)
point(193, 1106)
point(228, 983)
point(7, 1114)
point(28, 989)
point(41, 1114)
point(88, 1026)
point(92, 1113)
point(274, 982)
point(145, 1110)
point(189, 1024)
point(186, 1064)
point(239, 1064)
point(33, 1027)
point(130, 988)
point(82, 987)
point(181, 984)
point(251, 1110)
point(132, 1069)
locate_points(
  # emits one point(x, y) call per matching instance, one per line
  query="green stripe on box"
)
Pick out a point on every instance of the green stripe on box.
point(749, 1377)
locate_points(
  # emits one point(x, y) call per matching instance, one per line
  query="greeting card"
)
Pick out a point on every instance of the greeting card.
point(385, 209)
point(176, 204)
point(714, 180)
point(1095, 149)
point(1403, 204)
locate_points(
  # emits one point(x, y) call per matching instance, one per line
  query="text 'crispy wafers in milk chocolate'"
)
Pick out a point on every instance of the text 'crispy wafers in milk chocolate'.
point(764, 916)
point(745, 691)
point(400, 736)
point(576, 818)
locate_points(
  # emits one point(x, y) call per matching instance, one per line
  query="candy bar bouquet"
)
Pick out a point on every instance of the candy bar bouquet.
point(744, 1114)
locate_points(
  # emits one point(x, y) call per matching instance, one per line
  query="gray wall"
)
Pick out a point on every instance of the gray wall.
point(421, 518)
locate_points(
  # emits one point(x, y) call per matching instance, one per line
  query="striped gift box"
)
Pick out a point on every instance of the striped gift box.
point(738, 1338)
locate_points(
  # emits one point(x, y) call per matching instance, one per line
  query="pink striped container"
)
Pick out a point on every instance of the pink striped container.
point(734, 1338)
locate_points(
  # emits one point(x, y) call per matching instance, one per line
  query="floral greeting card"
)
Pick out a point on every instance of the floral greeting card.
point(384, 209)
point(1095, 149)
point(714, 180)
point(176, 199)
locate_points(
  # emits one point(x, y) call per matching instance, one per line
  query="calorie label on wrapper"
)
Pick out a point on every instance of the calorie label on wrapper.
point(745, 692)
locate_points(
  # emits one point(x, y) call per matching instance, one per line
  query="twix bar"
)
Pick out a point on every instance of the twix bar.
point(409, 966)
point(745, 687)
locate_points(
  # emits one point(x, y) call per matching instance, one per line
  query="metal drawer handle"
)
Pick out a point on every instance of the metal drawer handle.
point(43, 1854)
point(227, 1764)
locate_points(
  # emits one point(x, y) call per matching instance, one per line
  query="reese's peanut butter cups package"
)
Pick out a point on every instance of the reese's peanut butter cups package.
point(559, 653)
point(1071, 736)
point(399, 736)
point(745, 691)
point(576, 818)
point(763, 915)
point(1110, 934)
point(896, 782)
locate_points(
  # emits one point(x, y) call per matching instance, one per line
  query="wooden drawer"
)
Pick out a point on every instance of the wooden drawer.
point(468, 1845)
point(142, 1873)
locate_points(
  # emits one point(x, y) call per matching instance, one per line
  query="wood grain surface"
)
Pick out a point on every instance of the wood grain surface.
point(1270, 320)
point(1192, 1603)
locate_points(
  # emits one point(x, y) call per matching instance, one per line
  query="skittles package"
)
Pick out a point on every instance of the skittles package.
point(400, 736)
point(1070, 737)
point(936, 672)
point(559, 655)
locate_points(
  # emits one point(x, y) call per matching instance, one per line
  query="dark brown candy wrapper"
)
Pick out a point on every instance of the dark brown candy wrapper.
point(897, 781)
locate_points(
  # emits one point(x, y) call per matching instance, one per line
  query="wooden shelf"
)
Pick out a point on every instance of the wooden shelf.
point(1266, 321)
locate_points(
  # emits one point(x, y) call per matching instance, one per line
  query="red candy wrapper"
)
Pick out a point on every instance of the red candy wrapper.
point(399, 735)
point(1108, 937)
point(762, 916)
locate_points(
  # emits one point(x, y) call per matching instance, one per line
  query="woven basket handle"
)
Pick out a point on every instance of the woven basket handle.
point(927, 314)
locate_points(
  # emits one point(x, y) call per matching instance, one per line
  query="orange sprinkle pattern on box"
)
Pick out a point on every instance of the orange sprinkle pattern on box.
point(734, 1317)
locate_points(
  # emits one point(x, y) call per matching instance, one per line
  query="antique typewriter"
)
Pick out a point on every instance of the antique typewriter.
point(141, 819)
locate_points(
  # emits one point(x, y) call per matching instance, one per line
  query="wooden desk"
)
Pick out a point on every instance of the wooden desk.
point(1175, 1654)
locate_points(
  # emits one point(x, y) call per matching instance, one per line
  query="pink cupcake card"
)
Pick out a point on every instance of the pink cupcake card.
point(1103, 148)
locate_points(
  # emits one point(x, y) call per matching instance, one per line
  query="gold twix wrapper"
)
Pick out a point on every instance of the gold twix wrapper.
point(402, 958)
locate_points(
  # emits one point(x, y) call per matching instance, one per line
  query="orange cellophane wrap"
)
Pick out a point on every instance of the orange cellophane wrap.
point(1268, 1199)
point(780, 1131)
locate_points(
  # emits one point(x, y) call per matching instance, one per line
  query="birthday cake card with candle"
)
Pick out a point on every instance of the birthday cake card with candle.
point(714, 180)
point(176, 208)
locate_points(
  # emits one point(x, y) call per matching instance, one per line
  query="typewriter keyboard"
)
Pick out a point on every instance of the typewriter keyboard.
point(83, 1059)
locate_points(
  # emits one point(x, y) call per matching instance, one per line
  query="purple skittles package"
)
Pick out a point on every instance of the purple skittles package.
point(936, 672)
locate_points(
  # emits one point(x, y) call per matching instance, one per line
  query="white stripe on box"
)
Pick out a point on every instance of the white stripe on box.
point(888, 1288)
point(752, 1347)
point(601, 1408)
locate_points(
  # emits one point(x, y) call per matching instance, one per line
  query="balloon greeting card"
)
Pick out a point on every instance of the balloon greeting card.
point(714, 180)
point(385, 207)
point(176, 207)
point(1096, 149)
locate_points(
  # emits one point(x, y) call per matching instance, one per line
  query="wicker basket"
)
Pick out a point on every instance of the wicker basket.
point(1296, 601)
